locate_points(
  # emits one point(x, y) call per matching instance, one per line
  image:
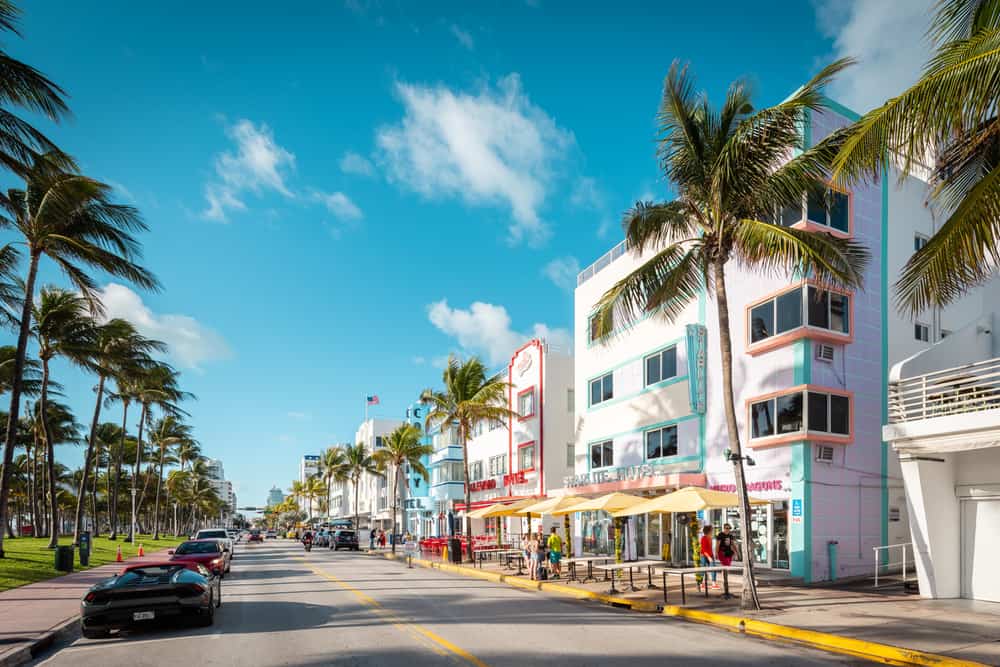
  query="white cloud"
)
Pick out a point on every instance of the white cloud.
point(189, 342)
point(485, 329)
point(298, 415)
point(257, 164)
point(887, 39)
point(418, 360)
point(463, 37)
point(587, 194)
point(492, 147)
point(355, 163)
point(339, 204)
point(562, 271)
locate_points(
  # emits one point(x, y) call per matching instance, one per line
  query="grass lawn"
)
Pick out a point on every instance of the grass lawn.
point(28, 560)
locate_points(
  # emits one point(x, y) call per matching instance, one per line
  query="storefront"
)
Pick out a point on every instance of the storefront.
point(768, 523)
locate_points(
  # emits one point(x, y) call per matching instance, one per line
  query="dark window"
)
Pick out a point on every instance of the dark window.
point(602, 389)
point(819, 308)
point(791, 214)
point(761, 321)
point(661, 442)
point(661, 366)
point(526, 456)
point(789, 413)
point(919, 242)
point(839, 313)
point(816, 208)
point(653, 369)
point(921, 332)
point(602, 454)
point(818, 417)
point(593, 328)
point(762, 419)
point(840, 415)
point(653, 450)
point(198, 548)
point(789, 307)
point(840, 206)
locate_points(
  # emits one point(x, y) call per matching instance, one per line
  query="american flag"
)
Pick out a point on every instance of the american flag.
point(373, 399)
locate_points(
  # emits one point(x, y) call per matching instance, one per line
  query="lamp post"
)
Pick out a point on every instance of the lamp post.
point(175, 518)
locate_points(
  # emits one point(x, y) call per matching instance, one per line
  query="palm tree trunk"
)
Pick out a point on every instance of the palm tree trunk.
point(14, 414)
point(82, 495)
point(357, 517)
point(51, 454)
point(468, 491)
point(159, 484)
point(93, 493)
point(395, 506)
point(118, 472)
point(135, 471)
point(749, 598)
point(32, 506)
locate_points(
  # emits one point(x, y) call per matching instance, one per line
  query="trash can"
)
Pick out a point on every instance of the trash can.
point(64, 559)
point(85, 548)
point(455, 550)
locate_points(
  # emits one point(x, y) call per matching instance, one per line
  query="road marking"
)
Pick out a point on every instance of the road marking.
point(437, 642)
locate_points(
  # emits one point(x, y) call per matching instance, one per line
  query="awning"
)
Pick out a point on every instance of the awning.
point(551, 505)
point(612, 502)
point(479, 504)
point(688, 499)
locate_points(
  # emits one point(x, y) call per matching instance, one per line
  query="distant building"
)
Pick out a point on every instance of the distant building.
point(308, 468)
point(275, 497)
point(418, 507)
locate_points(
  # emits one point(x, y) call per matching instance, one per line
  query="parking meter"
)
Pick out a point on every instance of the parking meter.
point(85, 547)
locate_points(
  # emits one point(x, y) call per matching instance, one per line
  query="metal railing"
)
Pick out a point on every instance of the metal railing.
point(602, 262)
point(887, 567)
point(970, 388)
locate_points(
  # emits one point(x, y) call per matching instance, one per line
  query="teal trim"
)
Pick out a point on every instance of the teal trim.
point(660, 348)
point(885, 352)
point(644, 390)
point(801, 476)
point(666, 461)
point(834, 105)
point(641, 429)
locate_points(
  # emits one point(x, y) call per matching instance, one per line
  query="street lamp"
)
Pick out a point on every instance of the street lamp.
point(133, 515)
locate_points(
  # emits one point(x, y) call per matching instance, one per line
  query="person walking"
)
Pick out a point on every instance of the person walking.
point(554, 543)
point(381, 539)
point(707, 556)
point(725, 547)
point(530, 553)
point(371, 540)
point(541, 555)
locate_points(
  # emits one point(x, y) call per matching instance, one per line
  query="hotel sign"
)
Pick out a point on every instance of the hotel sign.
point(495, 482)
point(622, 474)
point(697, 336)
point(483, 485)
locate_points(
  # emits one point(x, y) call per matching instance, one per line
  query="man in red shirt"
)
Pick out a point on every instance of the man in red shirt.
point(707, 558)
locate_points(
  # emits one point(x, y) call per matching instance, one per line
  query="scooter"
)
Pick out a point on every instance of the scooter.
point(308, 544)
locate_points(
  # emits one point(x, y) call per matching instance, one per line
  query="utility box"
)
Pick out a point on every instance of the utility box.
point(455, 550)
point(85, 548)
point(64, 559)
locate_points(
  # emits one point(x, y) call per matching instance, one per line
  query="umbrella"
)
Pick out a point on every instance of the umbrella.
point(612, 502)
point(550, 505)
point(688, 499)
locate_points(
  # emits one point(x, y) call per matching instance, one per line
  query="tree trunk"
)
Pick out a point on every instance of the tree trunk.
point(51, 454)
point(749, 599)
point(93, 494)
point(159, 484)
point(395, 506)
point(118, 471)
point(135, 472)
point(82, 496)
point(15, 390)
point(32, 505)
point(468, 492)
point(357, 515)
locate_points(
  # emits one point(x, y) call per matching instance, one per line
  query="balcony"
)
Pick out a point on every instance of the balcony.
point(953, 391)
point(602, 263)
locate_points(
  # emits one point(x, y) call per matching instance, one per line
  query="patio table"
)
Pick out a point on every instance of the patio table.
point(682, 571)
point(589, 560)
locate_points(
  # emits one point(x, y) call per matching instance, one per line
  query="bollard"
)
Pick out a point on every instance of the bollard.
point(831, 550)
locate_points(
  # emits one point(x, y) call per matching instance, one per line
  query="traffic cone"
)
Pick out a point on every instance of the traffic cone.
point(141, 552)
point(118, 558)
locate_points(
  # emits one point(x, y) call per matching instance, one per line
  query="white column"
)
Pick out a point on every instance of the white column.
point(935, 525)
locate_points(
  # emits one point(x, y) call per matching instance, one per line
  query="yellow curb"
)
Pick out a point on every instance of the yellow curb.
point(884, 653)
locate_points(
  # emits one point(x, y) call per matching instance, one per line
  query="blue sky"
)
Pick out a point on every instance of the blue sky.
point(338, 197)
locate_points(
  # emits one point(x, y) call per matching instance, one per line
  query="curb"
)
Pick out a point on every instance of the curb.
point(883, 653)
point(32, 648)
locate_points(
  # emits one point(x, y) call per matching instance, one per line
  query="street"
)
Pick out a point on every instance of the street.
point(282, 606)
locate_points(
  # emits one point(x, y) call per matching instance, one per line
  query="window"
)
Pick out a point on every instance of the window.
point(922, 332)
point(449, 471)
point(601, 389)
point(570, 455)
point(661, 366)
point(602, 454)
point(498, 465)
point(475, 471)
point(526, 456)
point(661, 442)
point(593, 326)
point(784, 414)
point(919, 241)
point(829, 208)
point(378, 442)
point(526, 403)
point(570, 400)
point(784, 313)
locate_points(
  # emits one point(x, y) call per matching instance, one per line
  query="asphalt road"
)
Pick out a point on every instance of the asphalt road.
point(282, 606)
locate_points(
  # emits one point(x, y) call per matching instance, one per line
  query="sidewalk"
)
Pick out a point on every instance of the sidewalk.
point(958, 629)
point(36, 612)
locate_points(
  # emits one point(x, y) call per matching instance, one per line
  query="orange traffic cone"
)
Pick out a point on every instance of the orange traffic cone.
point(141, 552)
point(118, 558)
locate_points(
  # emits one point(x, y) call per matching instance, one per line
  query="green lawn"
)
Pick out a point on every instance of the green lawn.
point(28, 560)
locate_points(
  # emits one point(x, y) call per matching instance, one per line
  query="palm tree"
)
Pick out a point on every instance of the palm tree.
point(949, 119)
point(297, 490)
point(315, 489)
point(70, 219)
point(358, 464)
point(402, 448)
point(470, 397)
point(722, 164)
point(166, 433)
point(55, 426)
point(63, 328)
point(103, 439)
point(118, 346)
point(332, 466)
point(187, 452)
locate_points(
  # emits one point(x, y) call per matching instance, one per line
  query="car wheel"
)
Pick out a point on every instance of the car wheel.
point(207, 617)
point(92, 633)
point(218, 596)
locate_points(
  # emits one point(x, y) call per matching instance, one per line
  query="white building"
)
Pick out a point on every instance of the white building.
point(532, 453)
point(374, 504)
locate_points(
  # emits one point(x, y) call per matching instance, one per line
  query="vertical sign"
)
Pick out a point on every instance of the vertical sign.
point(796, 510)
point(697, 336)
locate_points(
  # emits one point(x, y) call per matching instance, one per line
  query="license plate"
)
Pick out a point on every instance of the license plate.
point(143, 615)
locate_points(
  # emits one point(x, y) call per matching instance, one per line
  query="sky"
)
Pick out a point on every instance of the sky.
point(340, 196)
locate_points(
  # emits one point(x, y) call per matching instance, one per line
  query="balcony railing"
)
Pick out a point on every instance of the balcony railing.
point(602, 262)
point(970, 388)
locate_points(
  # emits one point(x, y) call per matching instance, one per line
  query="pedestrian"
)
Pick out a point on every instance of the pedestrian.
point(531, 551)
point(554, 544)
point(707, 557)
point(541, 556)
point(381, 539)
point(371, 540)
point(725, 545)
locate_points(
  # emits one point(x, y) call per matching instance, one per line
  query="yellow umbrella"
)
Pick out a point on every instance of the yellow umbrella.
point(501, 509)
point(688, 499)
point(612, 502)
point(550, 505)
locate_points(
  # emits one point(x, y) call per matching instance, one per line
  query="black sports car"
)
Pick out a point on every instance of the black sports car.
point(146, 596)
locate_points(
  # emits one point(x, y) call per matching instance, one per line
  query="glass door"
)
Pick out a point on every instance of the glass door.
point(779, 529)
point(653, 531)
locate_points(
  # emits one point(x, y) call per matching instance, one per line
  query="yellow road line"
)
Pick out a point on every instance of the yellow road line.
point(437, 642)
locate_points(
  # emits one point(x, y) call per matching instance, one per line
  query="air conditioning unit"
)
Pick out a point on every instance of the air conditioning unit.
point(824, 353)
point(824, 453)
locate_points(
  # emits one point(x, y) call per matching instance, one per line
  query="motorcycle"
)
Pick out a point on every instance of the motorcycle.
point(308, 544)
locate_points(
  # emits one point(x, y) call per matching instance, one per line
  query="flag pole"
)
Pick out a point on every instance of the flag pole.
point(366, 407)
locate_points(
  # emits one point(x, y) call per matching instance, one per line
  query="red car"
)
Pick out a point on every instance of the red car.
point(209, 552)
point(255, 536)
point(188, 565)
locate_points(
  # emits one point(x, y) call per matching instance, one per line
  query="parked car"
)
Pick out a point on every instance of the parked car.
point(218, 534)
point(292, 535)
point(344, 539)
point(210, 553)
point(272, 534)
point(322, 539)
point(213, 577)
point(255, 536)
point(146, 595)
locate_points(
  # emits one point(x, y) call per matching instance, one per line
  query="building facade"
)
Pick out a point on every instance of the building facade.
point(374, 502)
point(275, 497)
point(418, 506)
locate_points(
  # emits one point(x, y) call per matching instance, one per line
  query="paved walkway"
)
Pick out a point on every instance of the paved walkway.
point(29, 612)
point(963, 629)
